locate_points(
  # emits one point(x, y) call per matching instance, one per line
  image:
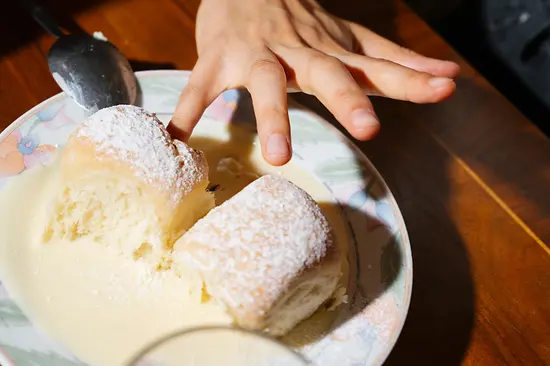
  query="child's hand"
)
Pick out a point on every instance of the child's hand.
point(268, 46)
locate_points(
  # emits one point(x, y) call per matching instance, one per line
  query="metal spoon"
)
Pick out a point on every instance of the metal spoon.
point(92, 71)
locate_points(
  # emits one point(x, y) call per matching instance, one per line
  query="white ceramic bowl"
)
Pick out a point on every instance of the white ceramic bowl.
point(381, 262)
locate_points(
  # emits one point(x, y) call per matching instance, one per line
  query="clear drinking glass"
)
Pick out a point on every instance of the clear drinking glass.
point(218, 346)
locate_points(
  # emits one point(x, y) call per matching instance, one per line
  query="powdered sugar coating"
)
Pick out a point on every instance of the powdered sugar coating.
point(251, 248)
point(138, 138)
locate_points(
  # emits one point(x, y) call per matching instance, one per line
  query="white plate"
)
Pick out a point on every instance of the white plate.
point(381, 262)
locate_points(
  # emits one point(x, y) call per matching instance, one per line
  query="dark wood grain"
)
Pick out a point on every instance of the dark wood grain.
point(471, 176)
point(510, 155)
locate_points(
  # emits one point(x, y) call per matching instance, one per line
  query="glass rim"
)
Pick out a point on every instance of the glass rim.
point(199, 329)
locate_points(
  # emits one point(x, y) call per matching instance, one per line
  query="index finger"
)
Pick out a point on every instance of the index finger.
point(201, 90)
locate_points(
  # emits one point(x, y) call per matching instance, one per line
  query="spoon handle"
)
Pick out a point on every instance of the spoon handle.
point(42, 17)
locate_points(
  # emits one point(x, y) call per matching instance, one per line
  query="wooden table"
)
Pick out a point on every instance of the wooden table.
point(471, 175)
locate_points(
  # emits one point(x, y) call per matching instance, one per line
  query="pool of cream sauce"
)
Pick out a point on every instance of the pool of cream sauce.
point(106, 308)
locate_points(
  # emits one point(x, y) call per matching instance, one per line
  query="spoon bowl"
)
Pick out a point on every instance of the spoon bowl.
point(92, 71)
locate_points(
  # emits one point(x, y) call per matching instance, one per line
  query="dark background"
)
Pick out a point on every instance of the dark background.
point(485, 32)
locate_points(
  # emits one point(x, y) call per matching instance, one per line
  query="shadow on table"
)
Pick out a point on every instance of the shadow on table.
point(441, 316)
point(493, 149)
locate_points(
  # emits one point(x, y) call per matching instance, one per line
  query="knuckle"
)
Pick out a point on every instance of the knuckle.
point(348, 100)
point(273, 112)
point(331, 64)
point(415, 83)
point(320, 62)
point(344, 95)
point(265, 66)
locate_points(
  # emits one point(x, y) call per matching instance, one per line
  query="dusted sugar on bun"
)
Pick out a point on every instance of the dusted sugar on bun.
point(267, 254)
point(122, 174)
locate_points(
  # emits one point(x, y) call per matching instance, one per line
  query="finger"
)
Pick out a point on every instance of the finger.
point(386, 78)
point(331, 82)
point(267, 86)
point(201, 90)
point(376, 46)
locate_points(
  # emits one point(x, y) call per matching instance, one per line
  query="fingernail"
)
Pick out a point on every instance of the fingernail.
point(363, 119)
point(438, 82)
point(277, 145)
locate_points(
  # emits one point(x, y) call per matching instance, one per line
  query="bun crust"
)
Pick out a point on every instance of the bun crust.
point(267, 255)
